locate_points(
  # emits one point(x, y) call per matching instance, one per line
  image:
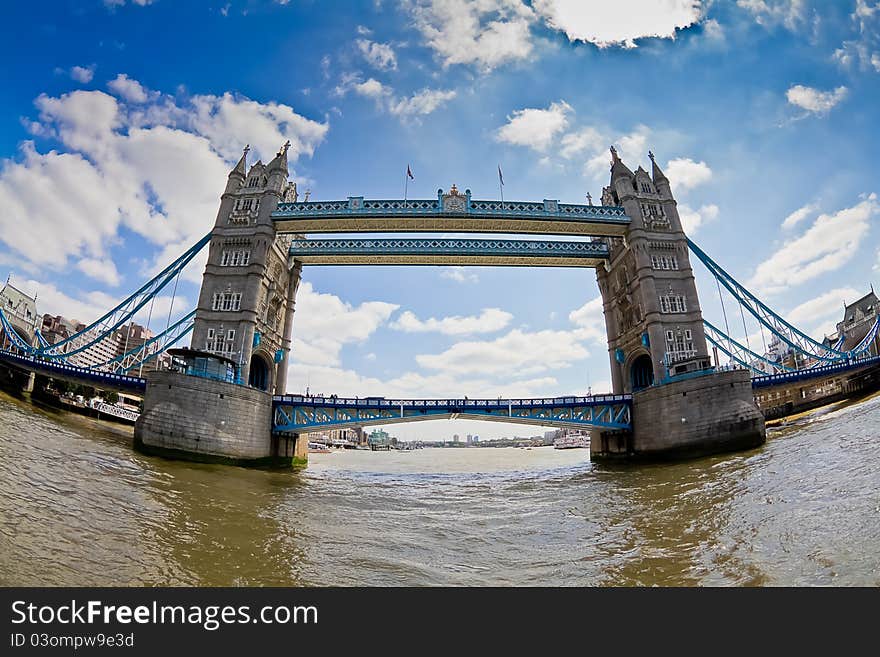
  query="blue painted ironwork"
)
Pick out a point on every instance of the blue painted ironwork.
point(813, 373)
point(122, 313)
point(612, 219)
point(104, 380)
point(448, 247)
point(146, 352)
point(789, 334)
point(13, 335)
point(300, 414)
point(739, 353)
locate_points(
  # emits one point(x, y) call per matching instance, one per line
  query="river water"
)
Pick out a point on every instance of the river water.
point(79, 507)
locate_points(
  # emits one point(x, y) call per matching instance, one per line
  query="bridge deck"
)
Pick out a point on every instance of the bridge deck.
point(530, 253)
point(465, 215)
point(74, 374)
point(300, 414)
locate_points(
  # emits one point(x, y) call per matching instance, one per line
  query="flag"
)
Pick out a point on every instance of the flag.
point(500, 177)
point(409, 173)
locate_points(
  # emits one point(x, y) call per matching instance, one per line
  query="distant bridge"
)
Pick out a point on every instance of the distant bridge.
point(301, 414)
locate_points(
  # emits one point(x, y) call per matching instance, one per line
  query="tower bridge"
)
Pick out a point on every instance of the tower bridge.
point(229, 402)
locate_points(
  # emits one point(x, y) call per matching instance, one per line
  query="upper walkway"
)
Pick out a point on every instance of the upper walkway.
point(443, 251)
point(452, 212)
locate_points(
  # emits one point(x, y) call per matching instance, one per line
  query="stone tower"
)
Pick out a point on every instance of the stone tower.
point(245, 308)
point(652, 313)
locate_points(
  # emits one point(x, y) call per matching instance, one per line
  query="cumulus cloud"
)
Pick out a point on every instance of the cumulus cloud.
point(488, 321)
point(153, 167)
point(131, 90)
point(814, 100)
point(692, 220)
point(420, 103)
point(827, 245)
point(324, 323)
point(379, 55)
point(685, 174)
point(826, 305)
point(769, 13)
point(799, 215)
point(535, 128)
point(83, 74)
point(603, 23)
point(459, 275)
point(631, 147)
point(864, 50)
point(101, 270)
point(485, 34)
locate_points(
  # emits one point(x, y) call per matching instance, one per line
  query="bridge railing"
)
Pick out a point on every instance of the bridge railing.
point(369, 402)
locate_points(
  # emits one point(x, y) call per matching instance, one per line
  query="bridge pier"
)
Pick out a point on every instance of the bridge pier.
point(199, 419)
point(691, 417)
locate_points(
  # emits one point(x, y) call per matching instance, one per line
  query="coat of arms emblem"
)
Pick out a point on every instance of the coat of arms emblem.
point(454, 201)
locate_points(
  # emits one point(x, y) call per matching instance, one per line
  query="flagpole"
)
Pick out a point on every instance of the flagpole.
point(405, 185)
point(501, 187)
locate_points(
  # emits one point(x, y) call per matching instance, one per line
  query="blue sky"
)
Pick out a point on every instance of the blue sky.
point(121, 119)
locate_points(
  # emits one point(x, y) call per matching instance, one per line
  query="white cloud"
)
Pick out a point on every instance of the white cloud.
point(151, 167)
point(100, 269)
point(586, 139)
point(631, 147)
point(486, 34)
point(691, 219)
point(379, 55)
point(685, 174)
point(814, 100)
point(459, 275)
point(864, 50)
point(522, 352)
point(119, 3)
point(769, 13)
point(590, 318)
point(128, 89)
point(323, 323)
point(488, 321)
point(826, 305)
point(423, 102)
point(420, 103)
point(618, 23)
point(799, 215)
point(827, 245)
point(535, 128)
point(83, 74)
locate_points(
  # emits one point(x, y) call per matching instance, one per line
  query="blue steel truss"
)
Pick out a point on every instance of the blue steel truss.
point(613, 218)
point(122, 313)
point(143, 353)
point(789, 334)
point(300, 414)
point(449, 247)
point(741, 354)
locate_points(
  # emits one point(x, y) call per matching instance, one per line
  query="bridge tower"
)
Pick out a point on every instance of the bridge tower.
point(244, 319)
point(246, 303)
point(652, 312)
point(681, 405)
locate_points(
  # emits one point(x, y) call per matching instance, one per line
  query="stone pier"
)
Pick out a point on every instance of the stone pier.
point(197, 419)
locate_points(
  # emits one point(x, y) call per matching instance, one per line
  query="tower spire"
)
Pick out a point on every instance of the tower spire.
point(656, 172)
point(241, 167)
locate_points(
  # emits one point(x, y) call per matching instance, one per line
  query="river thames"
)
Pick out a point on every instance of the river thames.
point(79, 507)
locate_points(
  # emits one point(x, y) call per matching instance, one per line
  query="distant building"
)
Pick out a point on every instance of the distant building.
point(455, 438)
point(21, 311)
point(858, 319)
point(57, 328)
point(469, 439)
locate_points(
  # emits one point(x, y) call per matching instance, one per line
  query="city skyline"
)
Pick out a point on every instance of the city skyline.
point(772, 166)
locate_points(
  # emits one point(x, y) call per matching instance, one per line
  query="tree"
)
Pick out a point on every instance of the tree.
point(111, 397)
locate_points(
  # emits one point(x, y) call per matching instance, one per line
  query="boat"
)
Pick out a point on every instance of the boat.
point(319, 448)
point(572, 442)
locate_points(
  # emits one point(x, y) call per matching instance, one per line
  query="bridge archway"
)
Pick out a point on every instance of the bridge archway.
point(641, 372)
point(259, 373)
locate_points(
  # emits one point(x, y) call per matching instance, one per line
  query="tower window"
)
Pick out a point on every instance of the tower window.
point(673, 303)
point(237, 258)
point(230, 334)
point(666, 262)
point(226, 301)
point(210, 334)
